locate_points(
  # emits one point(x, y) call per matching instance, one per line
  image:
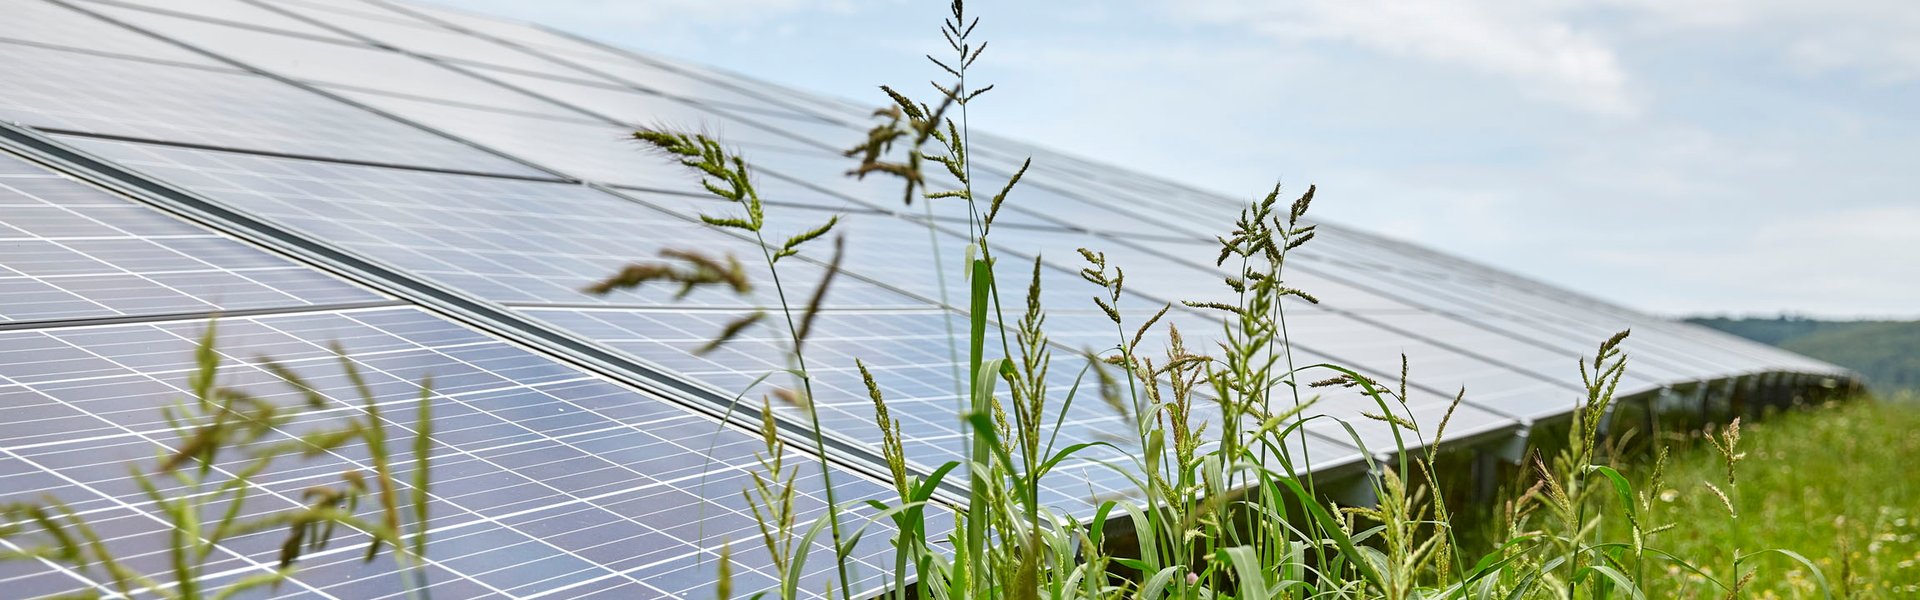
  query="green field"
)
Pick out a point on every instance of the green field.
point(1835, 483)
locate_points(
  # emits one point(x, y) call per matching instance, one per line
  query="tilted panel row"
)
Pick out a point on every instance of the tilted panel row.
point(546, 477)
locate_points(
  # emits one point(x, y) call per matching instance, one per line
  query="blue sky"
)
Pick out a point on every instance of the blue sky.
point(1716, 156)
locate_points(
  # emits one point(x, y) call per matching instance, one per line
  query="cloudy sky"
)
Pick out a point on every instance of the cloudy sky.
point(1681, 156)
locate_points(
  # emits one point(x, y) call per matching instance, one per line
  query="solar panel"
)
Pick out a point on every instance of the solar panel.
point(336, 62)
point(406, 217)
point(1529, 377)
point(654, 78)
point(73, 251)
point(908, 354)
point(396, 78)
point(650, 110)
point(622, 67)
point(546, 479)
point(1325, 447)
point(371, 209)
point(637, 71)
point(1105, 203)
point(37, 22)
point(507, 240)
point(805, 175)
point(903, 257)
point(69, 91)
point(498, 28)
point(1467, 300)
point(835, 109)
point(235, 12)
point(1344, 340)
point(881, 249)
point(884, 248)
point(411, 34)
point(1500, 294)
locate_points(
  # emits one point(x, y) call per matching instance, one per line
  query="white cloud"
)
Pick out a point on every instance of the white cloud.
point(1885, 61)
point(1532, 44)
point(1836, 262)
point(1872, 39)
point(1569, 51)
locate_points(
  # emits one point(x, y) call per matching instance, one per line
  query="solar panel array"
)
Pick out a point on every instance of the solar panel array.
point(375, 150)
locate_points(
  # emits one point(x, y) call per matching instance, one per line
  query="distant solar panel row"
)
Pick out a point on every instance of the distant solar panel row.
point(490, 160)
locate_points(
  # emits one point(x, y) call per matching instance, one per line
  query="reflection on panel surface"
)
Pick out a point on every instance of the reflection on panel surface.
point(236, 12)
point(333, 62)
point(407, 33)
point(39, 22)
point(64, 90)
point(617, 67)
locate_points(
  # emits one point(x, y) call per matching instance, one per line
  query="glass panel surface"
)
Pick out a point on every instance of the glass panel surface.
point(74, 92)
point(238, 12)
point(411, 34)
point(343, 63)
point(69, 250)
point(591, 61)
point(638, 109)
point(584, 148)
point(506, 240)
point(42, 22)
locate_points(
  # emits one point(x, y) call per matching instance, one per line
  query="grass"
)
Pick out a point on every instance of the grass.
point(1836, 482)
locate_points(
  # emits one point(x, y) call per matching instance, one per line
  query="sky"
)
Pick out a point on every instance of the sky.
point(1739, 157)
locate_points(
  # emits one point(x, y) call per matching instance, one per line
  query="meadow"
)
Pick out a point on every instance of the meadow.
point(1834, 481)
